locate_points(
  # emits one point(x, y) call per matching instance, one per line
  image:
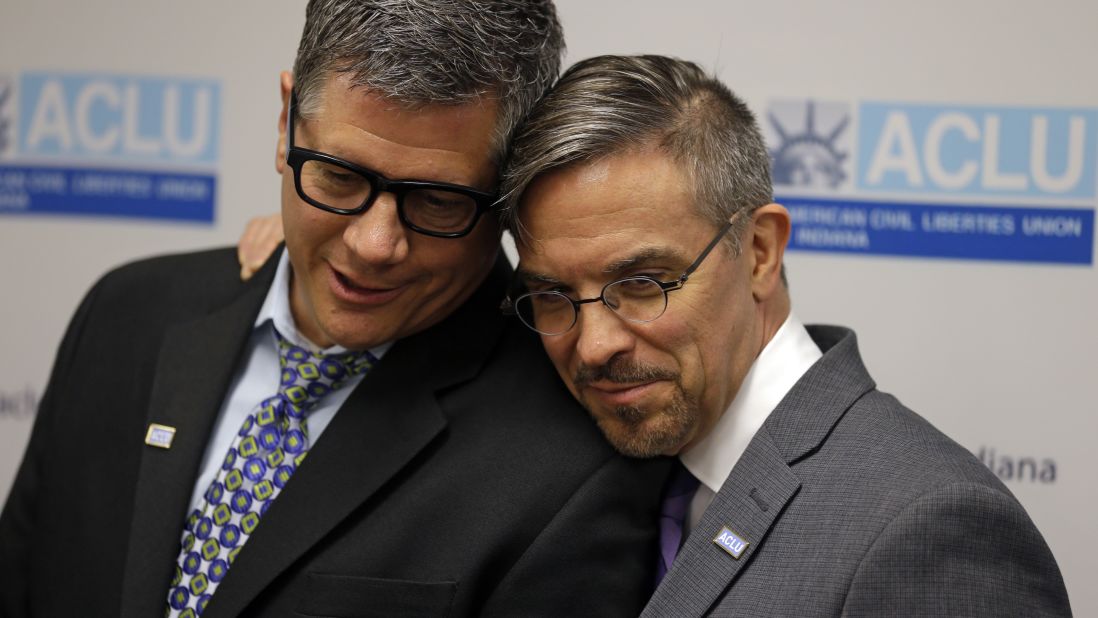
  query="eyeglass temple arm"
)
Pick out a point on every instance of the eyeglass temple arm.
point(701, 258)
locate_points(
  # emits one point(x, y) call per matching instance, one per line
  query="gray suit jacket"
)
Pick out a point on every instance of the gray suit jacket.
point(853, 505)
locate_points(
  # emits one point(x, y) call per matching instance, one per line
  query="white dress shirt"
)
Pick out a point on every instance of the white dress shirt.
point(257, 378)
point(783, 361)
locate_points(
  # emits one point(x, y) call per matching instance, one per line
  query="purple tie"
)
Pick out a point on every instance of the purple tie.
point(676, 500)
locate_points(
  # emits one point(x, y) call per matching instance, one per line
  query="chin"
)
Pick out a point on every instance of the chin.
point(353, 336)
point(634, 433)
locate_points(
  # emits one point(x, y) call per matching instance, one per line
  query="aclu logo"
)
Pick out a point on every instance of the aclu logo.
point(7, 125)
point(1022, 469)
point(951, 181)
point(979, 151)
point(809, 143)
point(69, 117)
point(956, 150)
point(730, 542)
point(111, 145)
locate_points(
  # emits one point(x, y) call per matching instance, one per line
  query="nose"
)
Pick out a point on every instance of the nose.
point(376, 235)
point(601, 335)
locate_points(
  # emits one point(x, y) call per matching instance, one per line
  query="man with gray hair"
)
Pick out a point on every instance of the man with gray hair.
point(651, 266)
point(356, 430)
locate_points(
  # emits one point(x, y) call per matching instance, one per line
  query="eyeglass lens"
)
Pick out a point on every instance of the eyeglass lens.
point(343, 189)
point(638, 299)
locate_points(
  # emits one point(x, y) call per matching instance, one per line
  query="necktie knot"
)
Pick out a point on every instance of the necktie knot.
point(680, 491)
point(307, 377)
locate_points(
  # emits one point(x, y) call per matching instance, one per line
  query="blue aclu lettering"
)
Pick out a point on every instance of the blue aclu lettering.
point(150, 119)
point(730, 542)
point(979, 151)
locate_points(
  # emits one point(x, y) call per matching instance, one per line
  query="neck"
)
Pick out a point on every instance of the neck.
point(772, 314)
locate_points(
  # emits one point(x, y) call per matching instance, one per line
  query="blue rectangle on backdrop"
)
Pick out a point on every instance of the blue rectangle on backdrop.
point(109, 192)
point(100, 116)
point(1008, 233)
point(984, 151)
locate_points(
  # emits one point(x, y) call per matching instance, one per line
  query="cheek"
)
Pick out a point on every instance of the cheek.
point(681, 345)
point(460, 264)
point(725, 344)
point(290, 199)
point(444, 273)
point(306, 227)
point(668, 337)
point(293, 211)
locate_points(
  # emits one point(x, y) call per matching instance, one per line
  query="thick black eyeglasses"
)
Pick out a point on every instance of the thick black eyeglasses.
point(341, 187)
point(636, 299)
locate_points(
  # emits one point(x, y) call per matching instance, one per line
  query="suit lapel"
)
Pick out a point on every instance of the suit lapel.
point(748, 504)
point(804, 418)
point(763, 482)
point(196, 362)
point(392, 416)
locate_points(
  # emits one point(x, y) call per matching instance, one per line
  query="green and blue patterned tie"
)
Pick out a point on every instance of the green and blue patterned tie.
point(270, 445)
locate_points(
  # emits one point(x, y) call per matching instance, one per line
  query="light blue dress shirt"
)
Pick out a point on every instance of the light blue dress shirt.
point(257, 378)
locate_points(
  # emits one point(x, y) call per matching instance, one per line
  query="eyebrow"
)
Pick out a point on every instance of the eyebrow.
point(613, 270)
point(528, 277)
point(643, 257)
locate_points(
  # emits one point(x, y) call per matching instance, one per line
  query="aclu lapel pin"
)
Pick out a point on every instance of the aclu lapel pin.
point(159, 436)
point(730, 542)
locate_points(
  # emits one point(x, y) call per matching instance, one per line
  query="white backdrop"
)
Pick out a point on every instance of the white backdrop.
point(998, 353)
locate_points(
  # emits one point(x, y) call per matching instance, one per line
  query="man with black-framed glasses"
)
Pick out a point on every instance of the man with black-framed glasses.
point(356, 431)
point(438, 209)
point(650, 263)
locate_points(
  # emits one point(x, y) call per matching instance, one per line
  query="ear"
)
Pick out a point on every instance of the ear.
point(285, 85)
point(768, 237)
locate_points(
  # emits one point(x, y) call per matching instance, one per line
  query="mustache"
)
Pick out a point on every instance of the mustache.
point(621, 371)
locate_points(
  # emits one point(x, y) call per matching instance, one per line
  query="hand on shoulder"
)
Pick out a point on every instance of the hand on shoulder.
point(259, 240)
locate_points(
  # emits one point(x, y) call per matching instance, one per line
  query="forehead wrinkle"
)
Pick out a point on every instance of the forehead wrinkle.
point(352, 143)
point(355, 99)
point(354, 134)
point(642, 257)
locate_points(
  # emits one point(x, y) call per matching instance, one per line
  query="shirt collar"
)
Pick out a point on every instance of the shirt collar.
point(276, 310)
point(784, 359)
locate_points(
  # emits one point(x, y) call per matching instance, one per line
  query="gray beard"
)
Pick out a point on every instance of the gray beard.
point(637, 432)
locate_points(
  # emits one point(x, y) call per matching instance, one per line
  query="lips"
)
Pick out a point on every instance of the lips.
point(358, 292)
point(615, 394)
point(622, 381)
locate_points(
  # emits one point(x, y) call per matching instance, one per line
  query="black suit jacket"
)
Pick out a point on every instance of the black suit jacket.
point(459, 478)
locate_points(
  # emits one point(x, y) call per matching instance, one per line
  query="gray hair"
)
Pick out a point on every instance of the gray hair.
point(611, 104)
point(434, 52)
